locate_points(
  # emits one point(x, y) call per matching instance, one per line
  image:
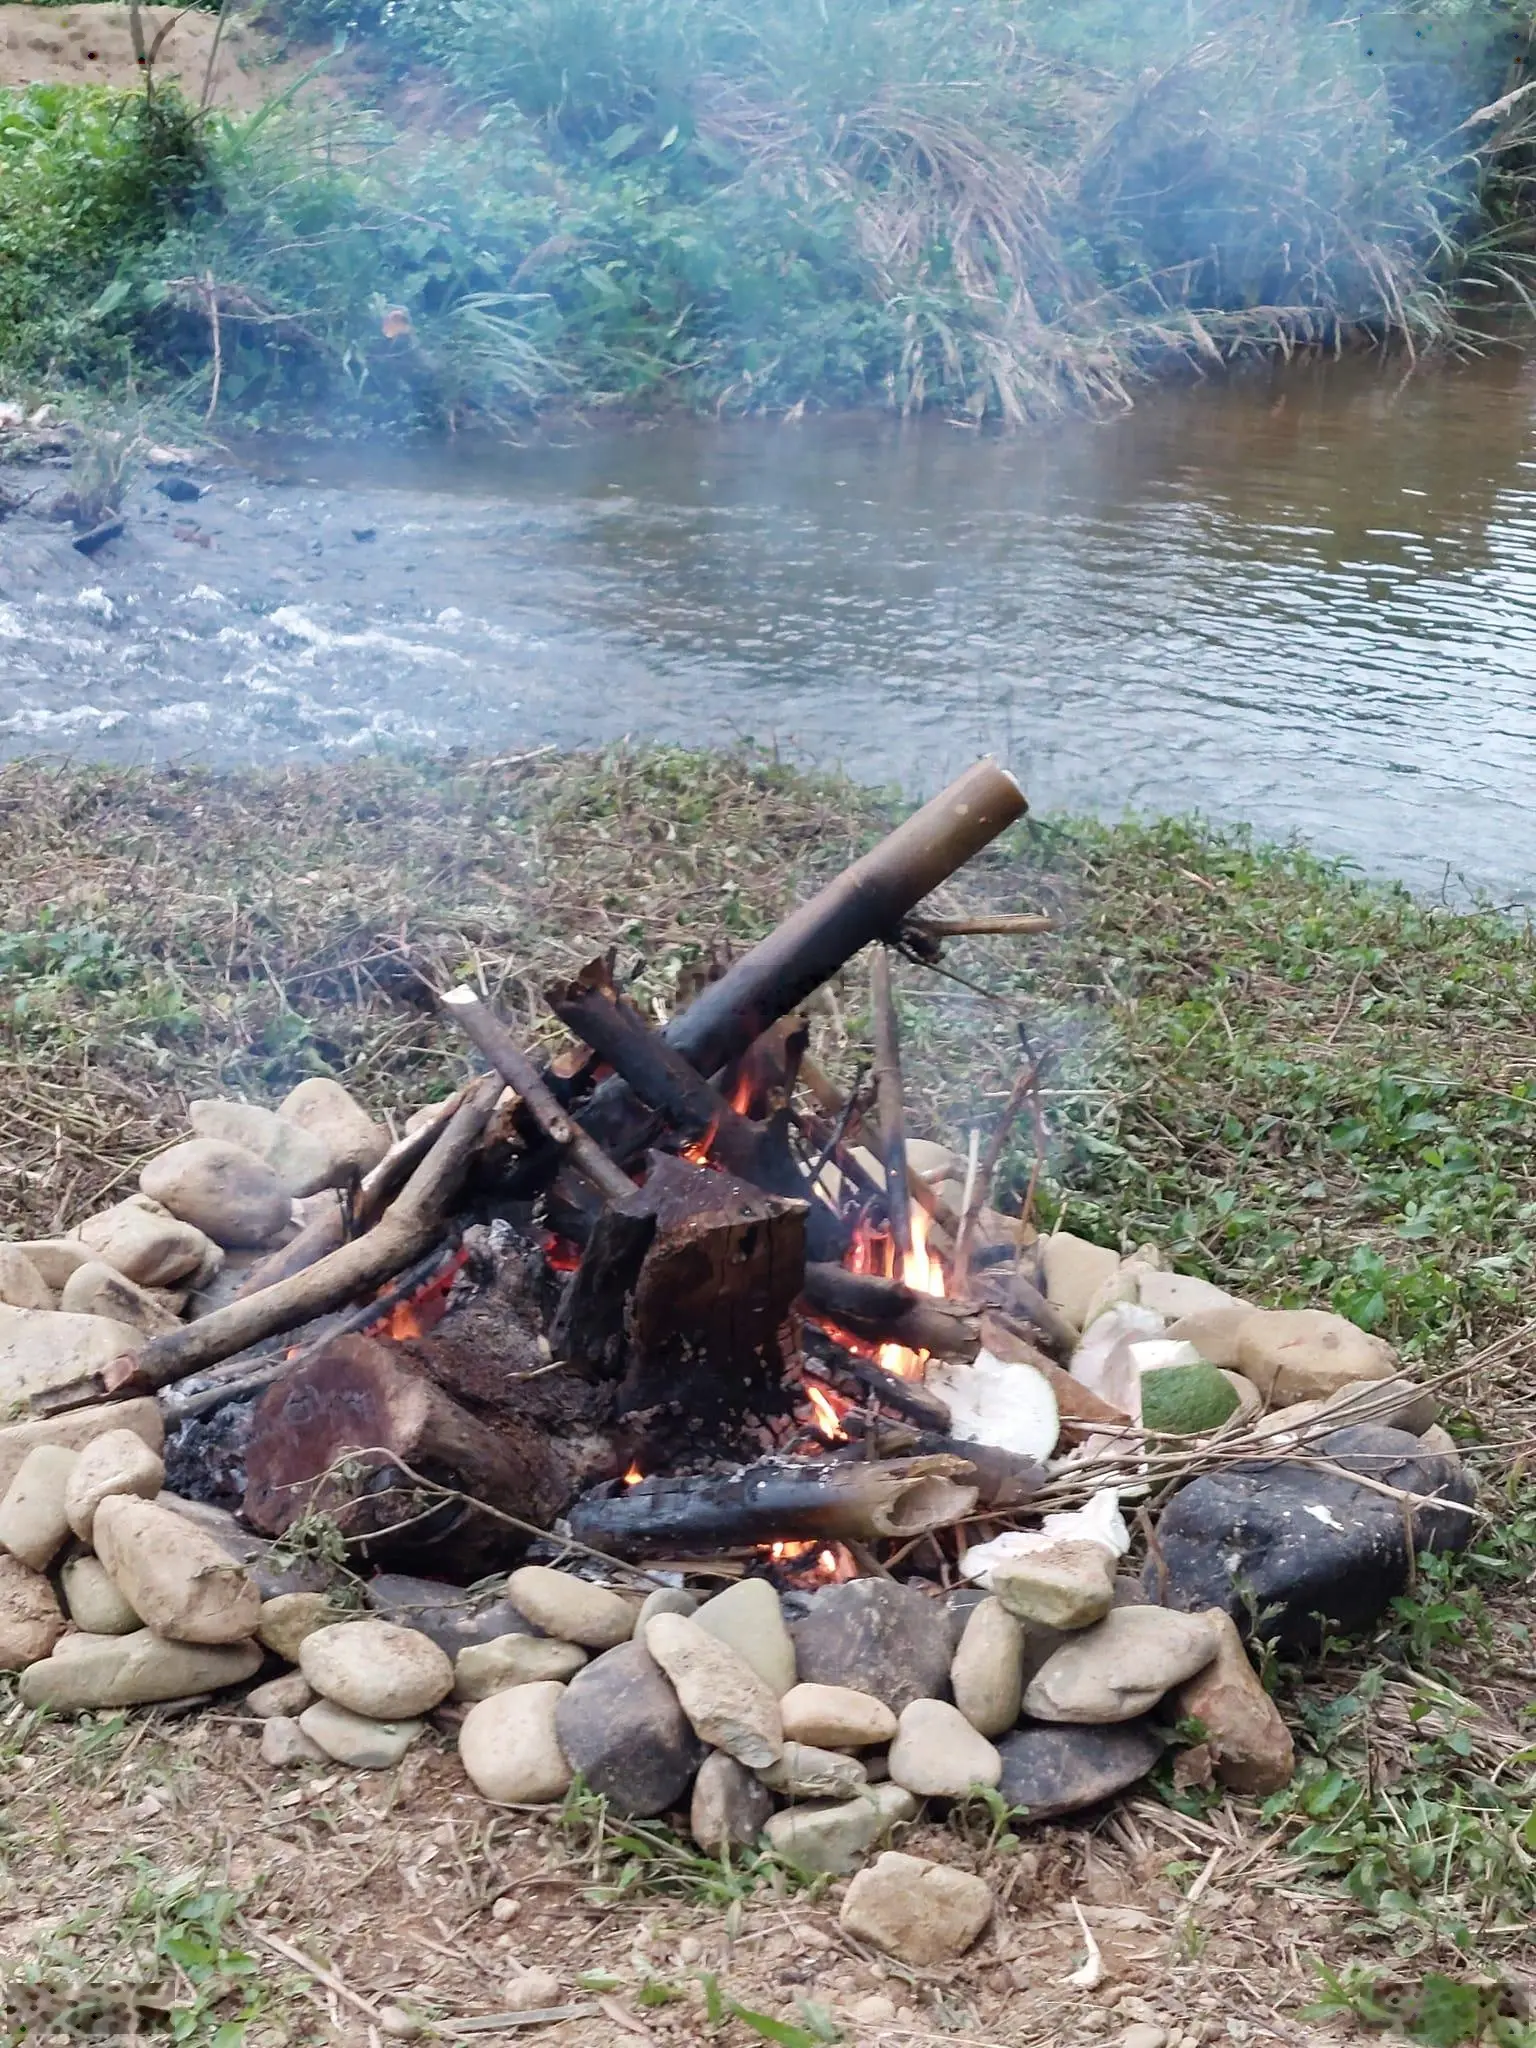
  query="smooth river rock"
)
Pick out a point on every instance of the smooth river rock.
point(875, 1636)
point(924, 1913)
point(284, 1743)
point(749, 1617)
point(132, 1671)
point(1049, 1771)
point(95, 1605)
point(323, 1108)
point(372, 1667)
point(937, 1754)
point(510, 1747)
point(836, 1717)
point(1069, 1583)
point(1250, 1745)
point(147, 1244)
point(286, 1696)
point(805, 1772)
point(483, 1668)
point(1121, 1667)
point(173, 1574)
point(835, 1838)
point(621, 1726)
point(1306, 1354)
point(987, 1676)
point(288, 1620)
point(97, 1289)
point(31, 1619)
point(33, 1523)
point(452, 1617)
point(116, 1462)
point(43, 1350)
point(1325, 1554)
point(301, 1161)
point(21, 1281)
point(222, 1190)
point(570, 1609)
point(72, 1432)
point(728, 1705)
point(363, 1742)
point(730, 1805)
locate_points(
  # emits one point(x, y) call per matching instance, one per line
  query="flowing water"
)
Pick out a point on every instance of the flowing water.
point(1304, 598)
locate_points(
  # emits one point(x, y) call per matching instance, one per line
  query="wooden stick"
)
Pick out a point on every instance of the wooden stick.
point(981, 1186)
point(1021, 925)
point(485, 1028)
point(779, 1499)
point(404, 1233)
point(890, 1104)
point(889, 1312)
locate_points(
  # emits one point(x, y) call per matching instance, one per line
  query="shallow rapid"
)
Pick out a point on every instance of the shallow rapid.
point(1304, 598)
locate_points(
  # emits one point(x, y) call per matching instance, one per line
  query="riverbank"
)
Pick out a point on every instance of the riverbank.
point(642, 205)
point(1301, 1086)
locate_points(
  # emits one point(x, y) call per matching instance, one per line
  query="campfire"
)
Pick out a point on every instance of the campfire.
point(672, 1312)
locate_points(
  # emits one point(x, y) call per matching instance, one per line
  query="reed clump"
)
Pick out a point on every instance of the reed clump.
point(1001, 208)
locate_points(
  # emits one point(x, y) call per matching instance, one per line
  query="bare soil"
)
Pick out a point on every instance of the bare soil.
point(91, 45)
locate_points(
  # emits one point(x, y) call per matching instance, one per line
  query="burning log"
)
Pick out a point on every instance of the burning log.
point(778, 1500)
point(404, 1233)
point(866, 902)
point(889, 1312)
point(712, 1296)
point(326, 1439)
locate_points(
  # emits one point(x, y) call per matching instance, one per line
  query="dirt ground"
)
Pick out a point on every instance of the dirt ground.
point(91, 45)
point(404, 1890)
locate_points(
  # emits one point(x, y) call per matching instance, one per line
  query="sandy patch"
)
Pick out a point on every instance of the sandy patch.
point(91, 45)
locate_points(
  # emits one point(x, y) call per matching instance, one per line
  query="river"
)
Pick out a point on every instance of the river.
point(1303, 598)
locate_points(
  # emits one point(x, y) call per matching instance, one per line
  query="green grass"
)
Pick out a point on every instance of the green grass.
point(999, 209)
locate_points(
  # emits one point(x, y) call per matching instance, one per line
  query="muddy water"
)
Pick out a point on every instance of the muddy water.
point(1305, 599)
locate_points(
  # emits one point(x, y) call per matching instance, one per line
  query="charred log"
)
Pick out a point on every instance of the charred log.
point(889, 1312)
point(778, 1500)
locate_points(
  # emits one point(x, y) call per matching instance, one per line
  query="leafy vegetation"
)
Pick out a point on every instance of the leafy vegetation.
point(999, 208)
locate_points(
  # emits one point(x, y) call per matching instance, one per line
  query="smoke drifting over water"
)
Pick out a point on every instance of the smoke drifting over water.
point(1303, 601)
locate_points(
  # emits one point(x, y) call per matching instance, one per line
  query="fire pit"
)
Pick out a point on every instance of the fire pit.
point(815, 1473)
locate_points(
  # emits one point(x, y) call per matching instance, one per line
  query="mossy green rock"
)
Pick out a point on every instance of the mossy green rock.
point(1183, 1400)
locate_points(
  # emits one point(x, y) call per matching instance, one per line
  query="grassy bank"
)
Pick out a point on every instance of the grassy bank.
point(998, 209)
point(1303, 1087)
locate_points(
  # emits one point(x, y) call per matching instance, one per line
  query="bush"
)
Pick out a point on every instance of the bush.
point(999, 207)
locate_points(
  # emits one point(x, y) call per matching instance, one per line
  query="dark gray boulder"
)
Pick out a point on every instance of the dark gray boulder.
point(1051, 1769)
point(1293, 1553)
point(877, 1636)
point(621, 1727)
point(451, 1617)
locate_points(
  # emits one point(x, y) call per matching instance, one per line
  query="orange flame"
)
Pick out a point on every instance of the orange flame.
point(697, 1154)
point(403, 1323)
point(633, 1476)
point(741, 1094)
point(786, 1553)
point(828, 1419)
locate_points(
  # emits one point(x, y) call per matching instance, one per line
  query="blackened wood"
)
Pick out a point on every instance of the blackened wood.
point(713, 1296)
point(890, 1102)
point(481, 1024)
point(778, 1500)
point(357, 1396)
point(1004, 1479)
point(1007, 1290)
point(866, 902)
point(907, 1397)
point(590, 1327)
point(888, 1312)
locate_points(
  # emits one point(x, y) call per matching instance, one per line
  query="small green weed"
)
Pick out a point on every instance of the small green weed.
point(627, 1856)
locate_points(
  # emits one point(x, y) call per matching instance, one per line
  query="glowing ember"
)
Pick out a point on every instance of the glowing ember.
point(828, 1420)
point(564, 1256)
point(697, 1154)
point(403, 1323)
point(786, 1553)
point(633, 1476)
